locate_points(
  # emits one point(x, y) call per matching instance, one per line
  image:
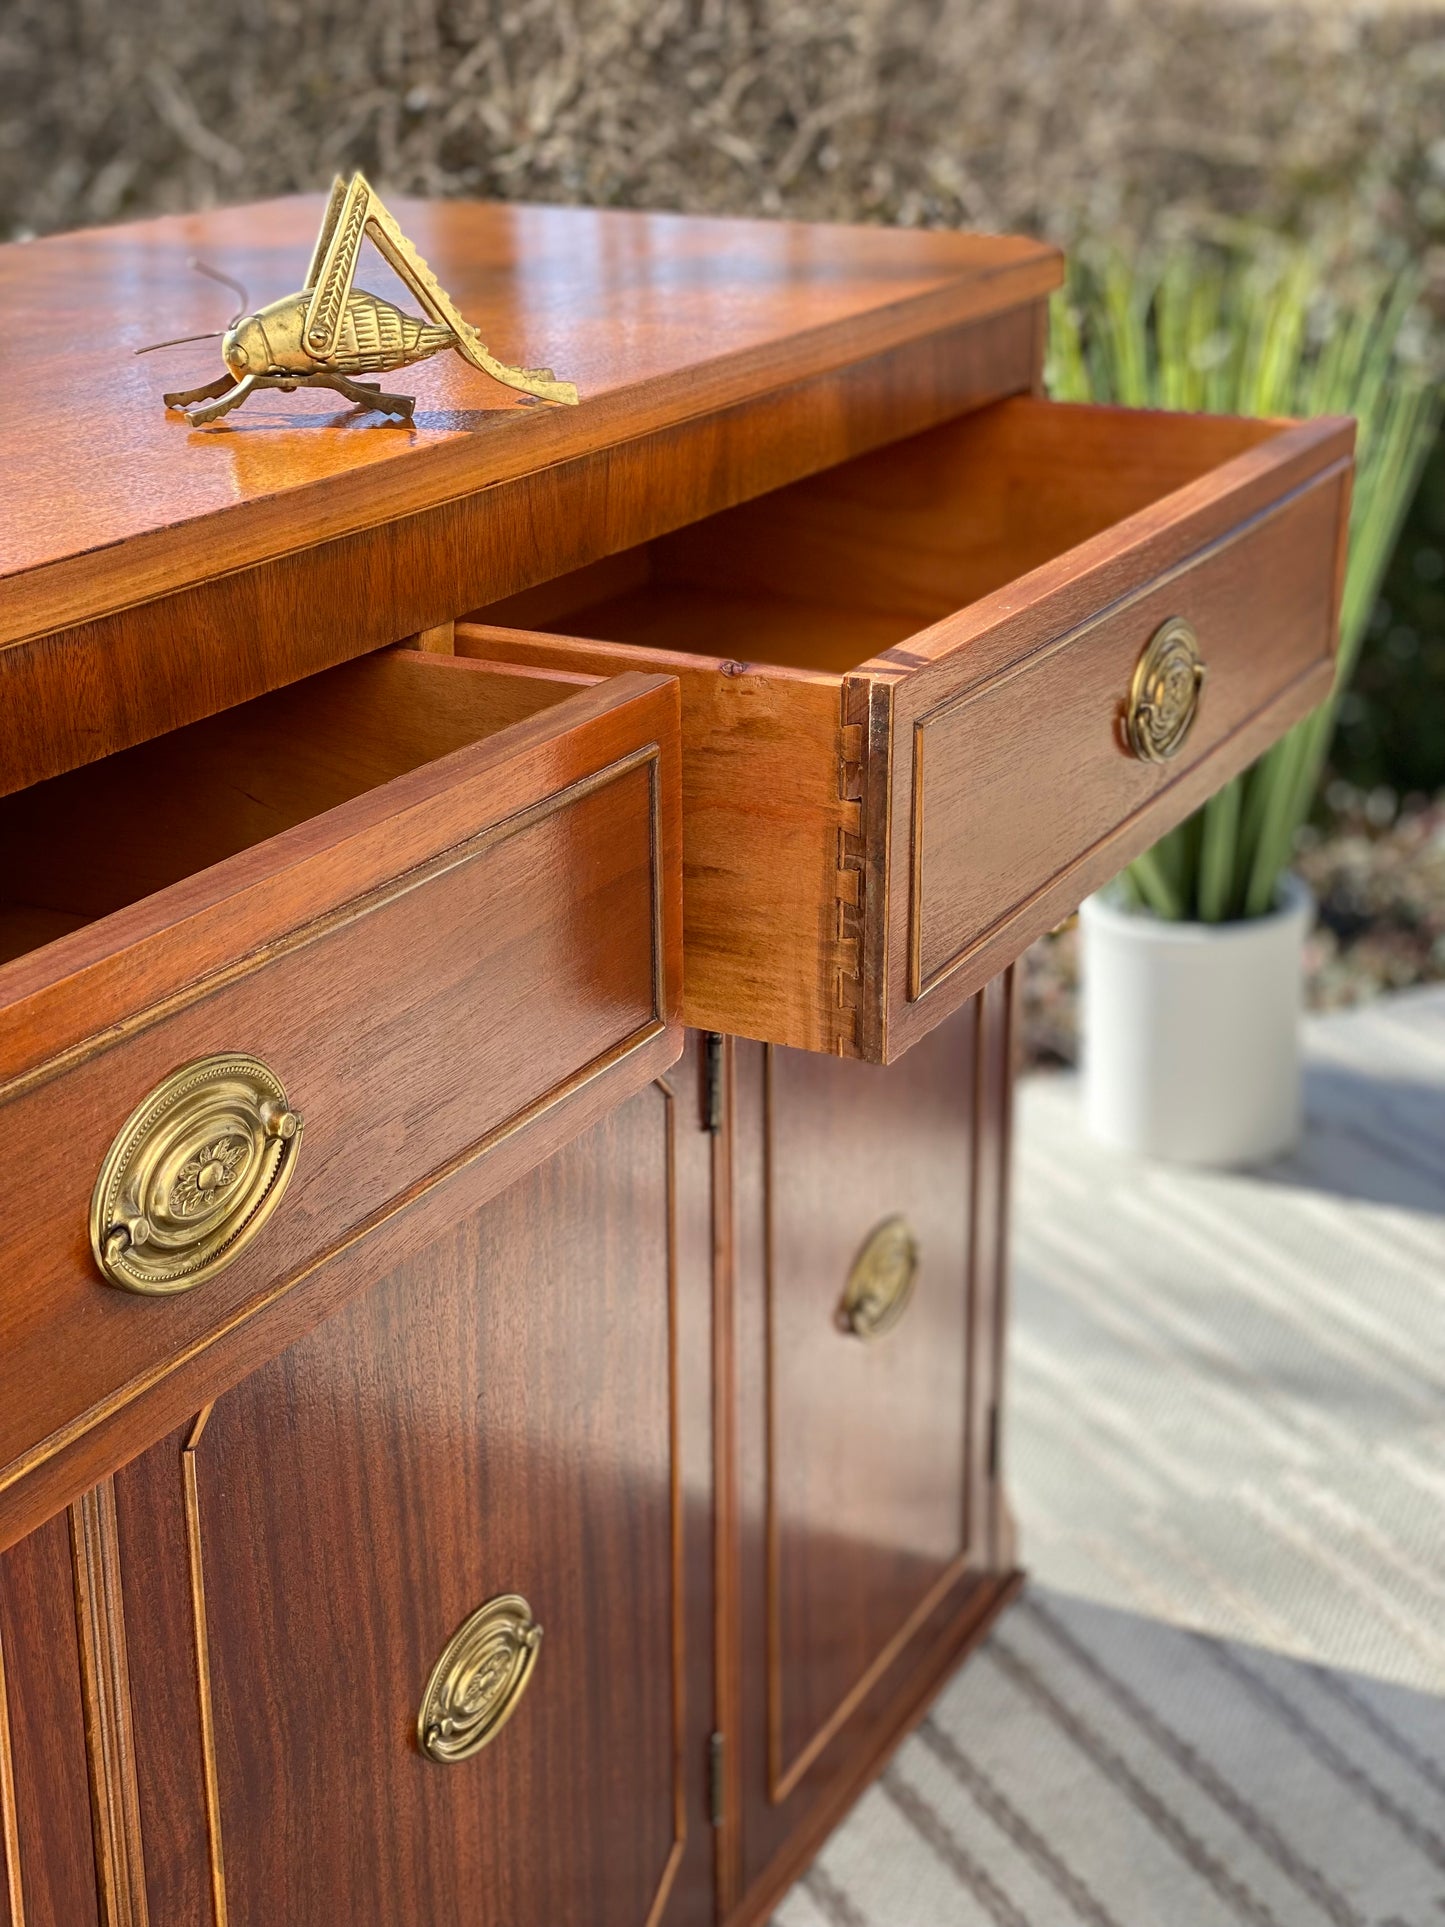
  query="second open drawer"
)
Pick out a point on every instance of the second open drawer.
point(907, 688)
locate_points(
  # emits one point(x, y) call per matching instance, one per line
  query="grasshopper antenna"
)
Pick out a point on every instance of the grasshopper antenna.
point(211, 334)
point(226, 281)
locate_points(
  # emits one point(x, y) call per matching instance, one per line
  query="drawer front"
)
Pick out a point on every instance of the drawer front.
point(447, 976)
point(1014, 789)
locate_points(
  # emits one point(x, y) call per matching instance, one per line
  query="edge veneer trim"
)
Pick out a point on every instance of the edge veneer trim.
point(673, 1861)
point(105, 1687)
point(205, 1704)
point(727, 1583)
point(9, 1807)
point(1000, 1526)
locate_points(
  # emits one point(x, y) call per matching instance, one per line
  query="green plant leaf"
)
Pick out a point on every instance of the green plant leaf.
point(1259, 330)
point(1218, 891)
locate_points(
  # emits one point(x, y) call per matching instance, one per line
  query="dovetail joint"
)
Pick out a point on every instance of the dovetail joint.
point(850, 887)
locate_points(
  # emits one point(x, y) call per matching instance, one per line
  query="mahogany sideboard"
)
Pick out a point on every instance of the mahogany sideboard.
point(506, 931)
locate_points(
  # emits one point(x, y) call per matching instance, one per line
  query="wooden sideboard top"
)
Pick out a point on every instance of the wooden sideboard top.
point(106, 499)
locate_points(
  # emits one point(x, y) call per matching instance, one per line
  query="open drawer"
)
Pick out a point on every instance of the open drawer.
point(428, 908)
point(934, 696)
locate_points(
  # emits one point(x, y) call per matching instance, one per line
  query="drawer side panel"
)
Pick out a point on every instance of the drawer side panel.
point(770, 811)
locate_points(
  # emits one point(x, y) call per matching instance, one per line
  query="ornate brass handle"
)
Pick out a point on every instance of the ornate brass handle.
point(881, 1281)
point(193, 1174)
point(1164, 695)
point(476, 1685)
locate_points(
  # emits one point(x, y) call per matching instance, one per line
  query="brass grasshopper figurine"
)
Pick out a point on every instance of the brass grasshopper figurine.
point(330, 332)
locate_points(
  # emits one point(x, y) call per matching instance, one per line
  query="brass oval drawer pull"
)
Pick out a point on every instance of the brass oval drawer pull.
point(881, 1281)
point(1164, 695)
point(193, 1174)
point(476, 1685)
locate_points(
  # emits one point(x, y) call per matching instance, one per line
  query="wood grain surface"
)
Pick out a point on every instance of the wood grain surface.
point(655, 317)
point(170, 1754)
point(761, 816)
point(115, 679)
point(1012, 792)
point(793, 647)
point(435, 1444)
point(431, 968)
point(618, 1365)
point(47, 1826)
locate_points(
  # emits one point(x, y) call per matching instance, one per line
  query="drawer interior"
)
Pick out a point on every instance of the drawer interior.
point(828, 573)
point(85, 844)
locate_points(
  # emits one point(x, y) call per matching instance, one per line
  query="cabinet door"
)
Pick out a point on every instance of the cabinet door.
point(869, 1203)
point(519, 1412)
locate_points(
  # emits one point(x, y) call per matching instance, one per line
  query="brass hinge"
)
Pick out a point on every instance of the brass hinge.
point(712, 1082)
point(715, 1788)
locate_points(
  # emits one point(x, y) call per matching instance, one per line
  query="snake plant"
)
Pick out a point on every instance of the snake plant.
point(1267, 336)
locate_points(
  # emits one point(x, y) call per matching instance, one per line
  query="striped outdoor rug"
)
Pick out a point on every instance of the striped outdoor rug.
point(1222, 1698)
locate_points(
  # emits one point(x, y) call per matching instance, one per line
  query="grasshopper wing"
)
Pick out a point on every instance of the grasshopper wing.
point(333, 266)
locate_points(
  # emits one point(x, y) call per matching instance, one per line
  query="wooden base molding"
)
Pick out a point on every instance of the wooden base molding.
point(987, 1600)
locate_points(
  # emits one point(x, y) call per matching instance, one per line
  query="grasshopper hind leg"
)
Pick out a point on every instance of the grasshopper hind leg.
point(366, 394)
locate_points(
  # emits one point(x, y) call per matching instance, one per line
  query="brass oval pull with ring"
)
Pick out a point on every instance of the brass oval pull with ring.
point(1165, 691)
point(880, 1283)
point(192, 1175)
point(478, 1682)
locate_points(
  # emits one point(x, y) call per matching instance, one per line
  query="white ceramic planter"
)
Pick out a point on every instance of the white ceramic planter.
point(1190, 1032)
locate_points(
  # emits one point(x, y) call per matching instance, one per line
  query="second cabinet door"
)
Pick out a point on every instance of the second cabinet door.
point(869, 1202)
point(508, 1417)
